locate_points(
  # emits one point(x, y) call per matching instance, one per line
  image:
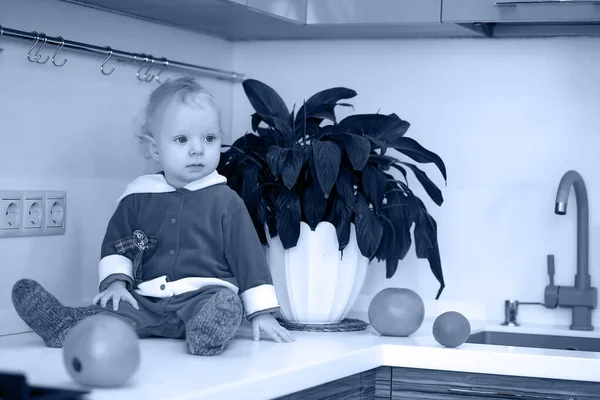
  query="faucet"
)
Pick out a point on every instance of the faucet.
point(581, 297)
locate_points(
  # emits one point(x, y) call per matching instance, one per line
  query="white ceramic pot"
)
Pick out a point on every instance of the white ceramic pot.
point(315, 283)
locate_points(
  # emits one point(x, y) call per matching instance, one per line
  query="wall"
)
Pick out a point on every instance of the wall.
point(508, 117)
point(71, 128)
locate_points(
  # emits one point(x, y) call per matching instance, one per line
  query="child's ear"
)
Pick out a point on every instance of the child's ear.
point(152, 147)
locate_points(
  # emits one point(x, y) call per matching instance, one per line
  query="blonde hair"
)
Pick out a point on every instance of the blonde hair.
point(185, 90)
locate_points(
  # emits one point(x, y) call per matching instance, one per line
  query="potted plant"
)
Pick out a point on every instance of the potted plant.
point(323, 200)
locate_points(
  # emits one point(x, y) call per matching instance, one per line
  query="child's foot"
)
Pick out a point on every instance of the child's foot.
point(44, 314)
point(211, 328)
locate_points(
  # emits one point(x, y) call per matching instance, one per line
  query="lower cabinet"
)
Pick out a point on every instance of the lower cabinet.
point(355, 387)
point(410, 383)
point(394, 383)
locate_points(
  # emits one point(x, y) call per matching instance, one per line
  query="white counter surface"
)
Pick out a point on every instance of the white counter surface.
point(265, 369)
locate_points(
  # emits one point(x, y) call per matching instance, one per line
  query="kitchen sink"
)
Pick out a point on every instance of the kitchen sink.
point(536, 340)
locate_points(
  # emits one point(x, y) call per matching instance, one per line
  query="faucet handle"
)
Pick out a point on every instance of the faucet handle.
point(550, 262)
point(551, 291)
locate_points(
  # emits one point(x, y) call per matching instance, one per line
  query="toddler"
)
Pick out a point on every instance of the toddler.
point(180, 257)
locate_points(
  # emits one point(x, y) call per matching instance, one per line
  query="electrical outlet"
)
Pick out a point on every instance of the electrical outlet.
point(55, 213)
point(11, 206)
point(32, 213)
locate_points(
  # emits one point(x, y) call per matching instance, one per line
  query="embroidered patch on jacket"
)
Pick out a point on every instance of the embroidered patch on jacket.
point(138, 240)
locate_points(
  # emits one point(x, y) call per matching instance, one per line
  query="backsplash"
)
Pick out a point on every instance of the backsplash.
point(508, 117)
point(71, 128)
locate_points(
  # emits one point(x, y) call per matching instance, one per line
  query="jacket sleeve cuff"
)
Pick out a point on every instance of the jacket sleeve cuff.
point(115, 264)
point(259, 298)
point(250, 317)
point(116, 277)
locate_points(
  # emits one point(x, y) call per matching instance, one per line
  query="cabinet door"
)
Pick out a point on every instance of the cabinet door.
point(465, 11)
point(373, 11)
point(355, 387)
point(291, 10)
point(412, 383)
point(442, 392)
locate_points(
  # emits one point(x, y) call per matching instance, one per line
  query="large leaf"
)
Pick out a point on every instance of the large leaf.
point(358, 148)
point(396, 240)
point(342, 222)
point(266, 132)
point(276, 158)
point(368, 228)
point(382, 160)
point(292, 166)
point(432, 190)
point(385, 251)
point(362, 123)
point(322, 104)
point(268, 105)
point(414, 150)
point(327, 158)
point(256, 120)
point(374, 184)
point(391, 129)
point(426, 244)
point(397, 212)
point(249, 183)
point(288, 213)
point(313, 204)
point(382, 130)
point(343, 186)
point(252, 146)
point(258, 214)
point(402, 171)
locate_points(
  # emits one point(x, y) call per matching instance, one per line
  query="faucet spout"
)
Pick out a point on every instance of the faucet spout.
point(575, 180)
point(581, 297)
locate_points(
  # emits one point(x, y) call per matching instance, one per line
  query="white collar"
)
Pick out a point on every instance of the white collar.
point(156, 183)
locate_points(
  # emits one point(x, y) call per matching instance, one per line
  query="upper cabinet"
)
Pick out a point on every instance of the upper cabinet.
point(526, 17)
point(373, 12)
point(291, 10)
point(238, 20)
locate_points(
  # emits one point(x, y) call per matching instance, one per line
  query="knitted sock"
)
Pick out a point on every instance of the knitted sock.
point(44, 314)
point(215, 324)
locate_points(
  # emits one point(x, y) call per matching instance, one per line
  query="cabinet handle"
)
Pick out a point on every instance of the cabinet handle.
point(533, 2)
point(474, 391)
point(524, 396)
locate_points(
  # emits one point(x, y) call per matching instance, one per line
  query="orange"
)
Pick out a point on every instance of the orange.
point(396, 312)
point(101, 351)
point(451, 329)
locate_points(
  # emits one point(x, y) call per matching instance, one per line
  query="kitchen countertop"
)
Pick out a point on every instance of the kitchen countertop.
point(266, 369)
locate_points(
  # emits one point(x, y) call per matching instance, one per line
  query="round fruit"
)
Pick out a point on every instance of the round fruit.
point(396, 312)
point(101, 351)
point(451, 329)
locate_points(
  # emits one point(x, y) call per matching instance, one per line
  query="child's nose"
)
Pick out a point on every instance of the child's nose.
point(196, 146)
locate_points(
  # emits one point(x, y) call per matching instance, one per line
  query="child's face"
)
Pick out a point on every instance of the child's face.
point(188, 142)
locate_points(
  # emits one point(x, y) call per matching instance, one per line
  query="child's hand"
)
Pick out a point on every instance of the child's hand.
point(117, 292)
point(269, 325)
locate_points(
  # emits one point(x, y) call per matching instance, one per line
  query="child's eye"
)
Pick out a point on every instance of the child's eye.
point(181, 139)
point(211, 138)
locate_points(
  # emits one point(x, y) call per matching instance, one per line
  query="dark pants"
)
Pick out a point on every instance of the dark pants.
point(162, 317)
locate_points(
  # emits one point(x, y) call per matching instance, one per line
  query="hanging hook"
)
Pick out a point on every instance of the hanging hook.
point(37, 39)
point(1, 33)
point(149, 78)
point(110, 53)
point(165, 64)
point(37, 53)
point(141, 68)
point(62, 44)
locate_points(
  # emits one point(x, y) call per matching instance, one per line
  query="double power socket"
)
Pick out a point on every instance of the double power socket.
point(32, 213)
